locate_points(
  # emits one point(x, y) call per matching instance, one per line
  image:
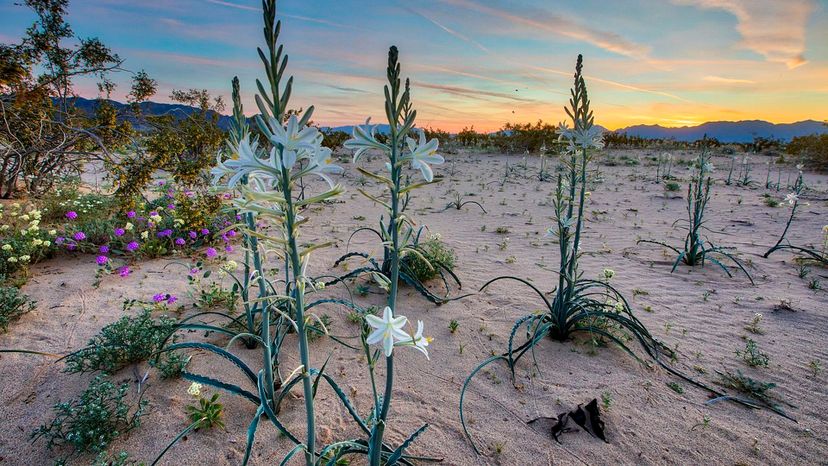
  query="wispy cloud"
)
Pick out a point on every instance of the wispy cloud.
point(559, 25)
point(448, 30)
point(721, 79)
point(347, 89)
point(472, 93)
point(283, 15)
point(772, 28)
point(234, 5)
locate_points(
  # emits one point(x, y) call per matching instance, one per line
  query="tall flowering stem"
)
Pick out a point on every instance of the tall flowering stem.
point(793, 200)
point(266, 170)
point(697, 248)
point(400, 149)
point(593, 308)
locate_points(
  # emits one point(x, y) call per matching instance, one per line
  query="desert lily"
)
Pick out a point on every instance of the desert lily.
point(590, 307)
point(419, 154)
point(400, 149)
point(387, 330)
point(793, 200)
point(263, 174)
point(697, 248)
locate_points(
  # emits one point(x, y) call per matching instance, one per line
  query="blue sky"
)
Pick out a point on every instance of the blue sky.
point(483, 63)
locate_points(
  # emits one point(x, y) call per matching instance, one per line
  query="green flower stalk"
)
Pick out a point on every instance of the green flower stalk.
point(401, 149)
point(593, 308)
point(264, 170)
point(697, 247)
point(793, 199)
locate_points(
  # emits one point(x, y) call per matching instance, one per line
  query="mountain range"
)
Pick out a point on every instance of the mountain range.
point(724, 131)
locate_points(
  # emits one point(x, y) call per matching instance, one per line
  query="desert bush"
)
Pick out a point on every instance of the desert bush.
point(182, 145)
point(334, 139)
point(812, 149)
point(468, 137)
point(523, 137)
point(91, 422)
point(127, 341)
point(13, 304)
point(44, 136)
point(433, 253)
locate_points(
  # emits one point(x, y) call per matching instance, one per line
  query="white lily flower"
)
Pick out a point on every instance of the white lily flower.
point(246, 160)
point(386, 330)
point(792, 198)
point(422, 154)
point(363, 138)
point(590, 138)
point(293, 139)
point(322, 163)
point(421, 342)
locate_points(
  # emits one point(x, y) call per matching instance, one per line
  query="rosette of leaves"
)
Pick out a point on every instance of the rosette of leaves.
point(578, 306)
point(697, 247)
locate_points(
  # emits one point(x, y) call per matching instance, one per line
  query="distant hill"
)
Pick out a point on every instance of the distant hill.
point(729, 131)
point(90, 106)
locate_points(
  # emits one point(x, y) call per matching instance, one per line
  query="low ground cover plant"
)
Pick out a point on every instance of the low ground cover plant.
point(88, 424)
point(127, 341)
point(13, 305)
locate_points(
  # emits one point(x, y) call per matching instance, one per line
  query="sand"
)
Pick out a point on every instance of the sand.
point(698, 310)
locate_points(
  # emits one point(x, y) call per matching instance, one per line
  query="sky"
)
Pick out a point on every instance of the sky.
point(482, 63)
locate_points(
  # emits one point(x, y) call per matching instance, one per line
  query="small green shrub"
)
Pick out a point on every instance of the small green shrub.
point(13, 304)
point(435, 251)
point(127, 341)
point(752, 356)
point(207, 413)
point(672, 186)
point(91, 422)
point(171, 364)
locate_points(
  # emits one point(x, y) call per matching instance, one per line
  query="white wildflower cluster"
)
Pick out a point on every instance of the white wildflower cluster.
point(21, 236)
point(420, 153)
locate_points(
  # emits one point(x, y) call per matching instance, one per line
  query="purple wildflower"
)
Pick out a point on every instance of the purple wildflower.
point(79, 236)
point(205, 231)
point(171, 299)
point(123, 271)
point(231, 233)
point(228, 248)
point(171, 207)
point(211, 253)
point(131, 214)
point(180, 242)
point(71, 215)
point(132, 246)
point(193, 235)
point(104, 249)
point(60, 240)
point(102, 260)
point(159, 297)
point(119, 232)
